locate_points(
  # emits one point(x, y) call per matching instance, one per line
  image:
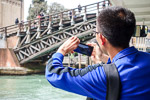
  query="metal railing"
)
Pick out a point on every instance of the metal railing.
point(141, 43)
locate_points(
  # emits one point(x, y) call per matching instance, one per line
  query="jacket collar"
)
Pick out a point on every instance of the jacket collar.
point(123, 53)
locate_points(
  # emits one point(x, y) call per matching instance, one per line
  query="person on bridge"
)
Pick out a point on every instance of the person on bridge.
point(79, 9)
point(114, 28)
point(16, 21)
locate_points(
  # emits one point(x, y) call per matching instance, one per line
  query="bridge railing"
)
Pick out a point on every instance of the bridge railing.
point(40, 36)
point(44, 25)
point(6, 31)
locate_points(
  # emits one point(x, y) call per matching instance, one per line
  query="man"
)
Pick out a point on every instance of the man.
point(115, 26)
point(16, 21)
point(79, 9)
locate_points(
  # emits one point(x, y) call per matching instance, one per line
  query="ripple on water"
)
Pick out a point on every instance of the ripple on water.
point(34, 87)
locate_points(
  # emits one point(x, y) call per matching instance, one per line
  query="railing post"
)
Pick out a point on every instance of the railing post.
point(45, 20)
point(87, 61)
point(79, 60)
point(50, 25)
point(61, 21)
point(5, 33)
point(19, 29)
point(24, 27)
point(85, 17)
point(28, 33)
point(68, 60)
point(109, 3)
point(97, 9)
point(39, 29)
point(90, 61)
point(72, 17)
point(5, 37)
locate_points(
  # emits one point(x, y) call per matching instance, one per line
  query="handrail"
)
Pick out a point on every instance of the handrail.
point(55, 17)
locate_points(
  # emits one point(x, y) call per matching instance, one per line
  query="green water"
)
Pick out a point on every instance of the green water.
point(34, 87)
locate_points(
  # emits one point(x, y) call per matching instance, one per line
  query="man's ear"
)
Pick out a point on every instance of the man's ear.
point(102, 38)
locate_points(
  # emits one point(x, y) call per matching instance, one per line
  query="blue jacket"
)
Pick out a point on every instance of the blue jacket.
point(133, 67)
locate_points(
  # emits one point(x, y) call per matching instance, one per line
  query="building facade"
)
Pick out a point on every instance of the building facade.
point(10, 10)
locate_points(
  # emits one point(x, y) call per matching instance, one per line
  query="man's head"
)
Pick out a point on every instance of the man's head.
point(117, 25)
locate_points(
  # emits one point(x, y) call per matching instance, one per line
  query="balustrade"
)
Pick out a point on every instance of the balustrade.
point(43, 34)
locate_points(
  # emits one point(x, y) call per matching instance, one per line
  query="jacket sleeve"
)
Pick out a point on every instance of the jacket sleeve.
point(89, 81)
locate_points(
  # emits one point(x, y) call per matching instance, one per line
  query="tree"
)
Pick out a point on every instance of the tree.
point(36, 8)
point(39, 6)
point(37, 1)
point(56, 7)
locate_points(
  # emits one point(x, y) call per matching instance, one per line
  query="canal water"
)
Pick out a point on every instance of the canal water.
point(34, 87)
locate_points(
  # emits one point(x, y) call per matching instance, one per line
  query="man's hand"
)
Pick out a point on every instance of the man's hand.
point(69, 45)
point(97, 55)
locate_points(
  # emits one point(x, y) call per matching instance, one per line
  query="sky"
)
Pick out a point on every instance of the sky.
point(70, 4)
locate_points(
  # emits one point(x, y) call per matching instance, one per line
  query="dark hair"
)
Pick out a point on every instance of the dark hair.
point(117, 24)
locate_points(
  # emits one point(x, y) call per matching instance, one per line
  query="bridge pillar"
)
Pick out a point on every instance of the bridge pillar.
point(61, 21)
point(49, 28)
point(97, 10)
point(3, 39)
point(3, 42)
point(72, 18)
point(85, 17)
point(28, 37)
point(39, 29)
point(28, 33)
point(50, 25)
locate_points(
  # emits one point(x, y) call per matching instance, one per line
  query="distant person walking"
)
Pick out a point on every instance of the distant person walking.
point(104, 5)
point(70, 15)
point(79, 9)
point(38, 16)
point(109, 3)
point(16, 21)
point(42, 14)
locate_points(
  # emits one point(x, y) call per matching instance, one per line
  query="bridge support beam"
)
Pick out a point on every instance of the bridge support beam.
point(50, 25)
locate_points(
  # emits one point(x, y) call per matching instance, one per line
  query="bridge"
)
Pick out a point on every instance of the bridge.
point(39, 38)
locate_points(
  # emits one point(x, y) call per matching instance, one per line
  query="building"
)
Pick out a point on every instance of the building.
point(10, 10)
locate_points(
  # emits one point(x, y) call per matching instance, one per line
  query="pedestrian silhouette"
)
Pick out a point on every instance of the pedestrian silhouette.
point(79, 8)
point(16, 21)
point(70, 15)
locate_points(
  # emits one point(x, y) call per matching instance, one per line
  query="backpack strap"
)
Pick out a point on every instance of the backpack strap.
point(88, 98)
point(113, 82)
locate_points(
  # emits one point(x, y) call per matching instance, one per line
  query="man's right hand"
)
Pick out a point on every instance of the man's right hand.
point(69, 45)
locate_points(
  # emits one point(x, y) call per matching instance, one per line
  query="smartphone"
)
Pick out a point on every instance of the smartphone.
point(84, 49)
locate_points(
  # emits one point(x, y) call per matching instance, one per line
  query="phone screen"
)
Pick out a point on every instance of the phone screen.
point(84, 49)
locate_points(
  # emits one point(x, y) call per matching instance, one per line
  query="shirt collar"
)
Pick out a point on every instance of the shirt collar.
point(123, 53)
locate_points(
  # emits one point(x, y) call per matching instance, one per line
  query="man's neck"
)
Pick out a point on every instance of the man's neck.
point(112, 52)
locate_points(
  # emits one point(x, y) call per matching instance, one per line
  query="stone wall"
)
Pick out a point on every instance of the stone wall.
point(8, 58)
point(10, 10)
